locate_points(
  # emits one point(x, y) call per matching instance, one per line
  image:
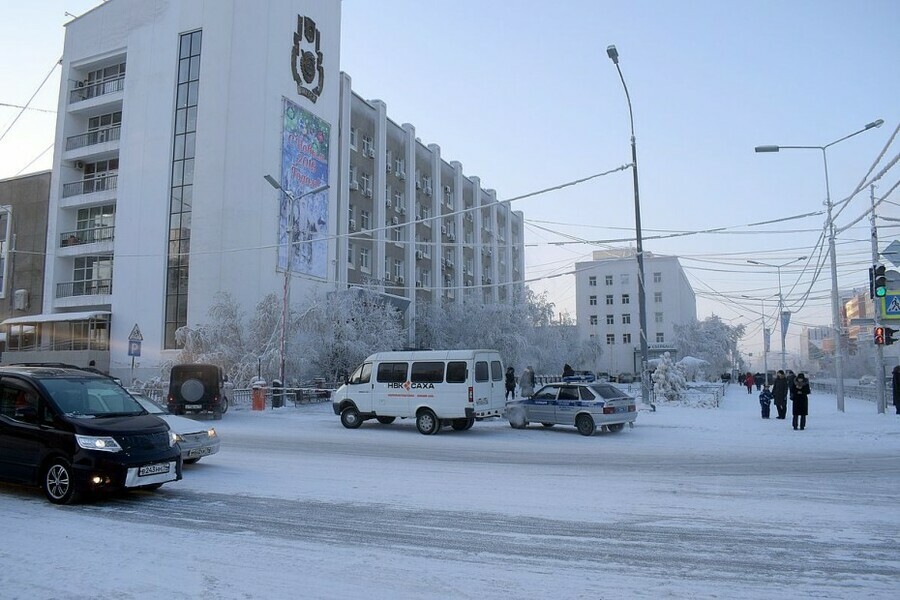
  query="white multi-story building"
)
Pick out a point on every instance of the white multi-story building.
point(170, 116)
point(606, 306)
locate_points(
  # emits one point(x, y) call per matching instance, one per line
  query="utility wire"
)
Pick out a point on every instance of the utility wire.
point(53, 68)
point(35, 159)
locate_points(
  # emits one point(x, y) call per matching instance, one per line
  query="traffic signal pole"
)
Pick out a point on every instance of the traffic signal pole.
point(879, 349)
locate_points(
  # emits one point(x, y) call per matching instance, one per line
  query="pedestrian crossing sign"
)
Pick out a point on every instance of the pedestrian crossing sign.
point(890, 305)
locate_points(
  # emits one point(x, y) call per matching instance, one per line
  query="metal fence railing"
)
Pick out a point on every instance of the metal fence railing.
point(242, 398)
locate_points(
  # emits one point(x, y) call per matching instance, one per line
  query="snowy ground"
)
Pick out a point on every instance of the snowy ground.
point(691, 503)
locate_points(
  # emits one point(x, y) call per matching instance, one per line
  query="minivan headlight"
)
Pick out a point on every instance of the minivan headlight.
point(211, 432)
point(102, 443)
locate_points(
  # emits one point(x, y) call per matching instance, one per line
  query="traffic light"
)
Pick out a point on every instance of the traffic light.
point(880, 280)
point(884, 336)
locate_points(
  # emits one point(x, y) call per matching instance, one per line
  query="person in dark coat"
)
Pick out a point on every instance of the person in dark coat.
point(780, 393)
point(568, 371)
point(748, 381)
point(800, 400)
point(510, 383)
point(896, 383)
point(741, 378)
point(758, 379)
point(765, 397)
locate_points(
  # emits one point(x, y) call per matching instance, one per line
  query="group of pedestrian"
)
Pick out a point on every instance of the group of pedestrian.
point(526, 383)
point(787, 384)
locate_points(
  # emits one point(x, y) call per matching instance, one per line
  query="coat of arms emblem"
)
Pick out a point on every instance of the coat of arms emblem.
point(306, 59)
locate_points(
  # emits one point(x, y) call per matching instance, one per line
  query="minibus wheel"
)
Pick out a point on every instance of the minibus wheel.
point(350, 418)
point(427, 422)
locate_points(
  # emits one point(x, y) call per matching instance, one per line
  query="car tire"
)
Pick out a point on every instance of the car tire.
point(350, 418)
point(190, 461)
point(616, 427)
point(58, 482)
point(224, 404)
point(585, 424)
point(427, 422)
point(548, 425)
point(385, 420)
point(516, 418)
point(463, 424)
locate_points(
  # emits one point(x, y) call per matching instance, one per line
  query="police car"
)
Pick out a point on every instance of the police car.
point(586, 405)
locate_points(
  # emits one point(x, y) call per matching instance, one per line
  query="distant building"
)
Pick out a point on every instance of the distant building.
point(606, 305)
point(23, 239)
point(170, 115)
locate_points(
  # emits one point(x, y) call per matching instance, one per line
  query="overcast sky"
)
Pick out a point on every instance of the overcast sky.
point(523, 95)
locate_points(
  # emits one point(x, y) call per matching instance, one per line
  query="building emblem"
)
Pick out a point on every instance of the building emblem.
point(306, 59)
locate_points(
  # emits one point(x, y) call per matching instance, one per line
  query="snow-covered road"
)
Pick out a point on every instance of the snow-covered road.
point(690, 503)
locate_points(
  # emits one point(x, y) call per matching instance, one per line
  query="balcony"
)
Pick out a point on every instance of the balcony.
point(92, 138)
point(89, 287)
point(90, 186)
point(86, 236)
point(96, 90)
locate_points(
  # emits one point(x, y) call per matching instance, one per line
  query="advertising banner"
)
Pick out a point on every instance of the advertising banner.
point(303, 217)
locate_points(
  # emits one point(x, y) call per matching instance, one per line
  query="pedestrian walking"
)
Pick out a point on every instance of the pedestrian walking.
point(526, 382)
point(510, 383)
point(896, 383)
point(758, 379)
point(780, 393)
point(741, 378)
point(765, 399)
point(800, 401)
point(748, 381)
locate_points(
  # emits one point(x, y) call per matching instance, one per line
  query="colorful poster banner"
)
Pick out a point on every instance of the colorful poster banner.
point(303, 217)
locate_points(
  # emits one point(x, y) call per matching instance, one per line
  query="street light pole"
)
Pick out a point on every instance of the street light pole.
point(286, 292)
point(780, 302)
point(642, 305)
point(762, 316)
point(835, 294)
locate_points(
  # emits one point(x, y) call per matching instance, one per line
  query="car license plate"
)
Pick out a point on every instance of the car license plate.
point(199, 451)
point(153, 469)
point(193, 406)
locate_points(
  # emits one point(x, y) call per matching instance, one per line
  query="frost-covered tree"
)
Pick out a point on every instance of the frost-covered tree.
point(668, 380)
point(711, 340)
point(695, 368)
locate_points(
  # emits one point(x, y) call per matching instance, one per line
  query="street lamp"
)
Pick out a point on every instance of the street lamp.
point(835, 299)
point(286, 295)
point(780, 301)
point(642, 305)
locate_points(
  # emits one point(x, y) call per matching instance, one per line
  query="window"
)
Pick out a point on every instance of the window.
point(427, 372)
point(398, 199)
point(426, 277)
point(368, 146)
point(593, 319)
point(610, 319)
point(15, 403)
point(609, 300)
point(657, 297)
point(624, 278)
point(626, 338)
point(592, 281)
point(398, 268)
point(593, 300)
point(658, 317)
point(481, 371)
point(354, 175)
point(366, 182)
point(350, 255)
point(95, 224)
point(392, 372)
point(660, 337)
point(496, 370)
point(365, 218)
point(610, 339)
point(354, 139)
point(625, 299)
point(456, 372)
point(568, 392)
point(626, 319)
point(362, 374)
point(609, 280)
point(657, 277)
point(364, 260)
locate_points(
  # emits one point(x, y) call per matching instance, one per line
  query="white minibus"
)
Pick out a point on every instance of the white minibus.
point(436, 387)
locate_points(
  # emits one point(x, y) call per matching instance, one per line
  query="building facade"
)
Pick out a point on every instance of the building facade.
point(170, 116)
point(606, 306)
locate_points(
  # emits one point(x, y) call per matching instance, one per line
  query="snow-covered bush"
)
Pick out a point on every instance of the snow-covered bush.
point(693, 368)
point(668, 380)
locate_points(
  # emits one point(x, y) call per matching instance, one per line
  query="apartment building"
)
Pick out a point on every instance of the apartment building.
point(606, 306)
point(170, 117)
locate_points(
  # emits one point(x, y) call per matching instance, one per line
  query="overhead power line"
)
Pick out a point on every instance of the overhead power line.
point(27, 104)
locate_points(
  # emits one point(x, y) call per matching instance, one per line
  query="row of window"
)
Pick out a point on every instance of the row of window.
point(626, 338)
point(626, 299)
point(624, 279)
point(626, 319)
point(428, 372)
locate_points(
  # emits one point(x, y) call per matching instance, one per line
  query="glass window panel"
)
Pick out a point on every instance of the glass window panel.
point(178, 150)
point(189, 171)
point(181, 313)
point(187, 197)
point(185, 46)
point(190, 140)
point(191, 124)
point(195, 42)
point(178, 172)
point(184, 69)
point(182, 99)
point(180, 120)
point(195, 68)
point(175, 223)
point(186, 223)
point(193, 92)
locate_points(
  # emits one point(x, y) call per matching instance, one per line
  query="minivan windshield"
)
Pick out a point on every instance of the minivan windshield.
point(91, 397)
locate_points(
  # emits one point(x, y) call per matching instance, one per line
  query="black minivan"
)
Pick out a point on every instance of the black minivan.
point(74, 433)
point(195, 388)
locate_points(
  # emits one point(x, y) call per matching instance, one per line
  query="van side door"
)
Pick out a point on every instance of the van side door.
point(359, 387)
point(391, 389)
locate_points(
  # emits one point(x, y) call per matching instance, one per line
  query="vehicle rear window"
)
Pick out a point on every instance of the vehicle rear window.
point(427, 372)
point(481, 371)
point(496, 370)
point(608, 392)
point(392, 372)
point(456, 371)
point(585, 393)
